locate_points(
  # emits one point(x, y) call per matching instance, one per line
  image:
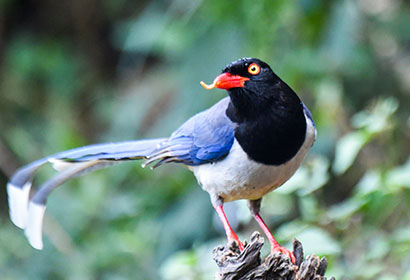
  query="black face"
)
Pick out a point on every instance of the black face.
point(259, 91)
point(241, 68)
point(271, 122)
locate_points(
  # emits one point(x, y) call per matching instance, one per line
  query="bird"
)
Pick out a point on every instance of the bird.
point(243, 147)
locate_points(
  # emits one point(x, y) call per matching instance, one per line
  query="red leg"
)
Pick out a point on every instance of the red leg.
point(275, 245)
point(230, 234)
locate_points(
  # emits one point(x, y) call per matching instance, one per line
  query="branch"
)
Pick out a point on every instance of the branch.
point(234, 265)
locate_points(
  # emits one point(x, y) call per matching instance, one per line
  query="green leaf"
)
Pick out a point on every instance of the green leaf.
point(345, 209)
point(319, 242)
point(347, 149)
point(399, 177)
point(370, 182)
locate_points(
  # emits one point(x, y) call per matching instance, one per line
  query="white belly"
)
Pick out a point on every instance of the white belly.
point(238, 177)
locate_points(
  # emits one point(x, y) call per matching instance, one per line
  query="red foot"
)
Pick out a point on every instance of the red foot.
point(233, 237)
point(286, 252)
point(230, 234)
point(275, 245)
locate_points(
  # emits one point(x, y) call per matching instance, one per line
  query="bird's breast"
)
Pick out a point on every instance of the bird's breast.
point(239, 177)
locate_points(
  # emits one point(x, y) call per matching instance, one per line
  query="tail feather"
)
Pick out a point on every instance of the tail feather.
point(33, 229)
point(18, 189)
point(37, 205)
point(139, 149)
point(18, 199)
point(61, 165)
point(28, 214)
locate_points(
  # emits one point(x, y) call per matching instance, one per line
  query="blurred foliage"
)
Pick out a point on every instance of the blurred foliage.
point(79, 72)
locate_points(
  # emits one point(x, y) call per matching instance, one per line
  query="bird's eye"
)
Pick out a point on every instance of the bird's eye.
point(254, 69)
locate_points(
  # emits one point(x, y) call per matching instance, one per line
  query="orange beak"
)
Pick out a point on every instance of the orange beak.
point(226, 81)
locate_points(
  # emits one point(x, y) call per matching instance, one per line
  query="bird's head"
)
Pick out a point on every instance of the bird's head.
point(247, 73)
point(251, 84)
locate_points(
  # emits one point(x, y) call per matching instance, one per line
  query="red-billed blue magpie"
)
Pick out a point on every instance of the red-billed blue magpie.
point(243, 147)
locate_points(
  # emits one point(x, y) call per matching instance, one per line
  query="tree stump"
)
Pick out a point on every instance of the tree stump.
point(247, 265)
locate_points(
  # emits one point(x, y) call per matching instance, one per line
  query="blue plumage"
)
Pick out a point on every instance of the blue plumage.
point(206, 137)
point(242, 147)
point(308, 114)
point(113, 151)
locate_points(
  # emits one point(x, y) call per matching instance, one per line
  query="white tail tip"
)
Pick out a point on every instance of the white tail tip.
point(60, 165)
point(18, 200)
point(34, 226)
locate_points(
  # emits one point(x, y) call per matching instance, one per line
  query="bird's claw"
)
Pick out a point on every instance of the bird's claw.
point(286, 252)
point(238, 243)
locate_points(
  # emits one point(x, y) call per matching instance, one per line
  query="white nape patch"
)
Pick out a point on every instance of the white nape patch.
point(18, 201)
point(34, 226)
point(60, 165)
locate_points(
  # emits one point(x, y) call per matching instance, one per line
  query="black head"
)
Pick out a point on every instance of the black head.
point(251, 68)
point(259, 87)
point(271, 122)
point(255, 89)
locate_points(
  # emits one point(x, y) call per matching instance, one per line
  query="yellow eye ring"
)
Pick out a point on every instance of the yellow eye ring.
point(254, 69)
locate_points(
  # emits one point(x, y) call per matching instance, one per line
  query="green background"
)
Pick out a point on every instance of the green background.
point(77, 72)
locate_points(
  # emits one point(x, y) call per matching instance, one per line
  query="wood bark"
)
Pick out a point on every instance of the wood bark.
point(247, 265)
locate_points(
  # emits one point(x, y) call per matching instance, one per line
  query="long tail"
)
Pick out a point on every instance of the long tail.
point(28, 213)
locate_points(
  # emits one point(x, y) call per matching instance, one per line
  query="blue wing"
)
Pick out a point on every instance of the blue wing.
point(308, 114)
point(206, 137)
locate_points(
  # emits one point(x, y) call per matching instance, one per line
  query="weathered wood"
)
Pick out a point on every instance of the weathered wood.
point(234, 265)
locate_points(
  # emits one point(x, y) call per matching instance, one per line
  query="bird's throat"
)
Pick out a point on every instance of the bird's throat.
point(270, 135)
